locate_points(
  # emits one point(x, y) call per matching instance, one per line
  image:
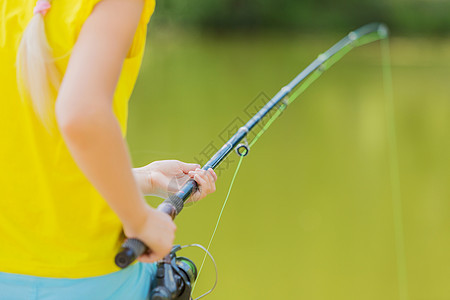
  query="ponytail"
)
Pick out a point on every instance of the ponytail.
point(37, 76)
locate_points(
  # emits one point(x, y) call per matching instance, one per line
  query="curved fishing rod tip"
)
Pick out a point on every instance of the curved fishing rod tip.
point(383, 31)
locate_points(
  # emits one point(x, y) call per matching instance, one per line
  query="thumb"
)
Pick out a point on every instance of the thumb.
point(186, 168)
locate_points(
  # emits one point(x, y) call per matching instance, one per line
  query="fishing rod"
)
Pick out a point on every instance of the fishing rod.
point(133, 248)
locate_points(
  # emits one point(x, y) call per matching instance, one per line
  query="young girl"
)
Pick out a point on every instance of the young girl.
point(67, 188)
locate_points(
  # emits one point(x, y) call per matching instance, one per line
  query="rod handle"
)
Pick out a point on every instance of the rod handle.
point(130, 250)
point(133, 248)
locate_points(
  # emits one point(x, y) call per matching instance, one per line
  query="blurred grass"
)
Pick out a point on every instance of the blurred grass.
point(311, 214)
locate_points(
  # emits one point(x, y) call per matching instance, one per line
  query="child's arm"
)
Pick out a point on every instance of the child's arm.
point(90, 129)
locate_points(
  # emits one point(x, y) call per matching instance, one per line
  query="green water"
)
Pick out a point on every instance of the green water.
point(311, 214)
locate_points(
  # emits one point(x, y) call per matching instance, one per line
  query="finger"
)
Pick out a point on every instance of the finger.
point(197, 171)
point(213, 173)
point(210, 186)
point(203, 186)
point(206, 184)
point(185, 167)
point(209, 177)
point(201, 181)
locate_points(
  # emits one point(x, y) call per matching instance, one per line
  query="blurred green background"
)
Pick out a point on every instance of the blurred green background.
point(311, 215)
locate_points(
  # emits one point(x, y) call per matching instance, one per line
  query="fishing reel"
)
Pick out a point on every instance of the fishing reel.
point(175, 276)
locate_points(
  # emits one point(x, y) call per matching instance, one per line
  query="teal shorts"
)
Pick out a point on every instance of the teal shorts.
point(131, 283)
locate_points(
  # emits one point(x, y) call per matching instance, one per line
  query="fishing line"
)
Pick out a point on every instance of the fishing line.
point(394, 172)
point(215, 267)
point(218, 220)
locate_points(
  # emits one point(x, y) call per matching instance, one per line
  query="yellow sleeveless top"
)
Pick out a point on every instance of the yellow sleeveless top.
point(53, 223)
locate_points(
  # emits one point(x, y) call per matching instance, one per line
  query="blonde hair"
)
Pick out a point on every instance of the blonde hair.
point(37, 75)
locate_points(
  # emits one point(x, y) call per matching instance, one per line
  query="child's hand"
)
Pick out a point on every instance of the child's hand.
point(161, 178)
point(157, 231)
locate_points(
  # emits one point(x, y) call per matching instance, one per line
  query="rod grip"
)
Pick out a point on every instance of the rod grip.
point(133, 248)
point(130, 250)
